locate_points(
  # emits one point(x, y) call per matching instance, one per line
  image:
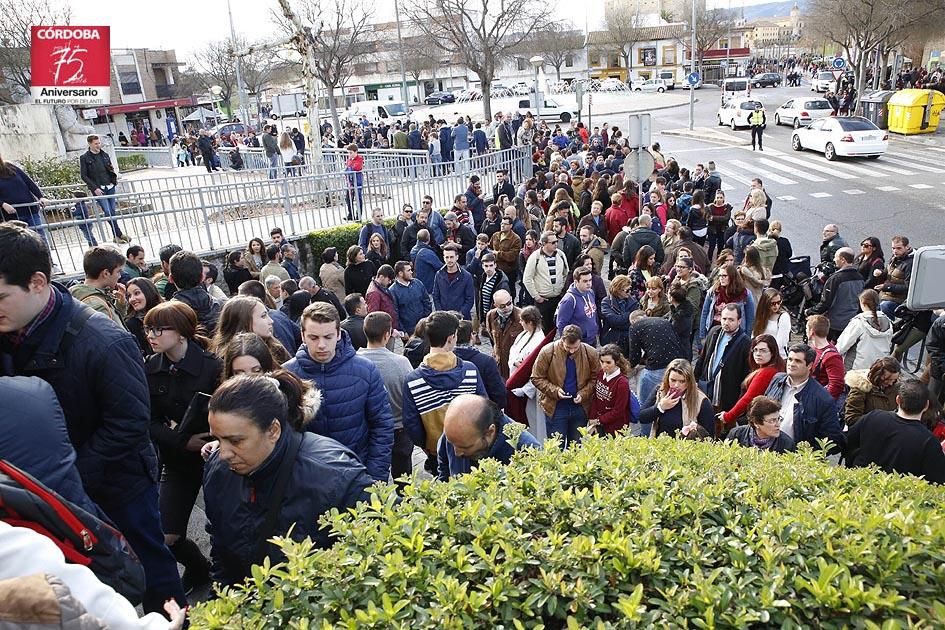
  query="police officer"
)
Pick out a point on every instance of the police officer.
point(757, 121)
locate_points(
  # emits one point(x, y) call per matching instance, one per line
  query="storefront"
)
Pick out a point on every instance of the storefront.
point(131, 117)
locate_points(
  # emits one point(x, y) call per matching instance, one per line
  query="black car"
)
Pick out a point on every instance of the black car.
point(766, 79)
point(438, 98)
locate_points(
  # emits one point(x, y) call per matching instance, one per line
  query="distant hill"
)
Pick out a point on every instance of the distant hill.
point(771, 9)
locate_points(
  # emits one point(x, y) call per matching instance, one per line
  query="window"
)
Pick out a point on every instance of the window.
point(569, 61)
point(669, 55)
point(723, 42)
point(520, 63)
point(615, 61)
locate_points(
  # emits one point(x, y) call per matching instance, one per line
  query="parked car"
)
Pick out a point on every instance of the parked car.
point(800, 112)
point(551, 110)
point(650, 85)
point(224, 130)
point(735, 111)
point(668, 77)
point(823, 82)
point(438, 98)
point(842, 137)
point(766, 79)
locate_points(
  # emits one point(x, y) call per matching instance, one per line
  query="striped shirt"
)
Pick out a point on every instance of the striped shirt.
point(552, 262)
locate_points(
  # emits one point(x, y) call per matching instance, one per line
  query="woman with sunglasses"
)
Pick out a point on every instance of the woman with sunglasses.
point(771, 318)
point(870, 262)
point(182, 374)
point(763, 430)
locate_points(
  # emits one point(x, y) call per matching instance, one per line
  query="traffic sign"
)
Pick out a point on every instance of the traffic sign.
point(839, 63)
point(692, 78)
point(837, 74)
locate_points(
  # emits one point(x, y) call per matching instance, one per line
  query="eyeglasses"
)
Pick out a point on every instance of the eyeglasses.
point(154, 331)
point(776, 302)
point(551, 242)
point(506, 305)
point(771, 422)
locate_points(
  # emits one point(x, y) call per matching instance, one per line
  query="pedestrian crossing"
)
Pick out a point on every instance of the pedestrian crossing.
point(894, 171)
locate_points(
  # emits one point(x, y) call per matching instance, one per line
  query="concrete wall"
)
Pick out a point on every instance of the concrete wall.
point(29, 130)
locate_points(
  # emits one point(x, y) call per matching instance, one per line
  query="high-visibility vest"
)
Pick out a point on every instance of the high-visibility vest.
point(756, 117)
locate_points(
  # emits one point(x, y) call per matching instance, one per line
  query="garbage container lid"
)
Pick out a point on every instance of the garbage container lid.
point(913, 98)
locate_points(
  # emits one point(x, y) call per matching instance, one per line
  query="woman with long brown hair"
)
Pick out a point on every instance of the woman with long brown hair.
point(610, 400)
point(247, 314)
point(771, 318)
point(872, 389)
point(754, 275)
point(677, 404)
point(728, 289)
point(640, 272)
point(182, 374)
point(764, 361)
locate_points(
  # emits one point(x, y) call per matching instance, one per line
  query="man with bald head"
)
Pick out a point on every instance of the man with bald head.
point(503, 323)
point(473, 430)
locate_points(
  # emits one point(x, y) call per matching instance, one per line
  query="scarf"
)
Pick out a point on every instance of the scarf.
point(764, 444)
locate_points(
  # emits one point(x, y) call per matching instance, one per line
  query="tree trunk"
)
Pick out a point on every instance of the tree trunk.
point(485, 80)
point(333, 107)
point(558, 73)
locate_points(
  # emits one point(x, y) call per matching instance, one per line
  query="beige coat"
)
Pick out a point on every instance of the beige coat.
point(333, 279)
point(548, 374)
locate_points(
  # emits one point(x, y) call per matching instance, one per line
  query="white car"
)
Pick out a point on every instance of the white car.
point(823, 82)
point(650, 85)
point(842, 137)
point(801, 112)
point(551, 110)
point(735, 111)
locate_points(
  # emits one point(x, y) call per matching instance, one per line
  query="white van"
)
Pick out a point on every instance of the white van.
point(738, 87)
point(377, 111)
point(551, 110)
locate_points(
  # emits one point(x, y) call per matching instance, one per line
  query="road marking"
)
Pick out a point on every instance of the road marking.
point(892, 169)
point(821, 195)
point(763, 173)
point(854, 191)
point(790, 169)
point(737, 178)
point(859, 169)
point(727, 186)
point(887, 188)
point(920, 186)
point(787, 198)
point(820, 168)
point(913, 164)
point(772, 151)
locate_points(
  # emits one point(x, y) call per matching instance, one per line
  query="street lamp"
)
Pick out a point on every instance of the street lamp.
point(538, 63)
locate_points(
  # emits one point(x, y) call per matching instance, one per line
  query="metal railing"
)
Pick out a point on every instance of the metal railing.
point(220, 211)
point(155, 156)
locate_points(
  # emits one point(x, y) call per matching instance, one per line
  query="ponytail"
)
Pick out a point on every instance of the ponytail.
point(870, 299)
point(280, 396)
point(302, 398)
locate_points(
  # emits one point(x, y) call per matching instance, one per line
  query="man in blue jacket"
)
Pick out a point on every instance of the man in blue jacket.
point(808, 411)
point(474, 203)
point(453, 288)
point(461, 144)
point(411, 298)
point(474, 429)
point(355, 408)
point(578, 306)
point(95, 368)
point(425, 261)
point(487, 366)
point(376, 226)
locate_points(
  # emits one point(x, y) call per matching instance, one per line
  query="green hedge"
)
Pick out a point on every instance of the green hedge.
point(132, 162)
point(619, 533)
point(54, 172)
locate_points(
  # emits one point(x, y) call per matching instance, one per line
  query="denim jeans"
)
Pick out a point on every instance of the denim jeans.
point(81, 213)
point(108, 204)
point(649, 381)
point(274, 166)
point(566, 420)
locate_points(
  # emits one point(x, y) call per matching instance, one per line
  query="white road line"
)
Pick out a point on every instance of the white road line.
point(929, 160)
point(772, 151)
point(854, 191)
point(727, 186)
point(920, 186)
point(892, 169)
point(787, 198)
point(858, 169)
point(912, 164)
point(821, 195)
point(887, 188)
point(810, 177)
point(737, 178)
point(820, 168)
point(762, 173)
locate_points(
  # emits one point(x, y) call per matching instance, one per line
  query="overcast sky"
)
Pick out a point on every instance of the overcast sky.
point(187, 25)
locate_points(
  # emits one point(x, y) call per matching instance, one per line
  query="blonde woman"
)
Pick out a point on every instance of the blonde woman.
point(287, 150)
point(670, 234)
point(754, 275)
point(677, 407)
point(757, 205)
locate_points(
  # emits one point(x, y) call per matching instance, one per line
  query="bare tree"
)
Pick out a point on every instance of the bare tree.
point(624, 24)
point(18, 16)
point(258, 63)
point(215, 64)
point(482, 32)
point(711, 25)
point(419, 58)
point(556, 42)
point(859, 26)
point(336, 32)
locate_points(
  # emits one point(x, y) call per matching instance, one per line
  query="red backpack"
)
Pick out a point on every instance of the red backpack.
point(82, 537)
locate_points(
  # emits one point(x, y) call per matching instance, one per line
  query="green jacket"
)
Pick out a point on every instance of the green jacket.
point(99, 300)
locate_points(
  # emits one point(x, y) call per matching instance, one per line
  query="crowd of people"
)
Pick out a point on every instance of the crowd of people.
point(566, 302)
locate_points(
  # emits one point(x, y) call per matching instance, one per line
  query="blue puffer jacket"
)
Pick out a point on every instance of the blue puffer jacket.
point(41, 446)
point(457, 295)
point(355, 408)
point(98, 377)
point(325, 475)
point(413, 303)
point(615, 320)
point(488, 372)
point(286, 331)
point(425, 265)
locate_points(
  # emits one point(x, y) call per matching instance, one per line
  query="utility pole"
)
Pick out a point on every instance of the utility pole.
point(307, 45)
point(692, 63)
point(400, 56)
point(244, 118)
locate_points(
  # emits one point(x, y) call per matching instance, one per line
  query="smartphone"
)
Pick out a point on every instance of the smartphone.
point(675, 392)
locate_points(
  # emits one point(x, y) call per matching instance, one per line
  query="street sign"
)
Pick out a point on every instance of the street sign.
point(638, 132)
point(692, 78)
point(839, 63)
point(837, 74)
point(639, 165)
point(579, 92)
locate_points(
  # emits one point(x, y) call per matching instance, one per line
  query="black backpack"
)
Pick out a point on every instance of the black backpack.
point(82, 537)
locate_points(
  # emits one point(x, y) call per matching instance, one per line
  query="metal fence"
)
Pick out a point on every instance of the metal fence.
point(154, 156)
point(219, 211)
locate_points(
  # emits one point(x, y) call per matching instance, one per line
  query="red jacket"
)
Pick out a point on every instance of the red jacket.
point(611, 402)
point(617, 217)
point(829, 370)
point(757, 386)
point(380, 299)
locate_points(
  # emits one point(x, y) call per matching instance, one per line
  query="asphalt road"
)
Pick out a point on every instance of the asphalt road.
point(902, 192)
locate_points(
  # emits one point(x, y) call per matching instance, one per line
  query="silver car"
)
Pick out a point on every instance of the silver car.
point(802, 111)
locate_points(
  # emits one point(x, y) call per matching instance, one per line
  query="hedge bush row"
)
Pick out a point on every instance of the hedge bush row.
point(53, 171)
point(618, 533)
point(132, 162)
